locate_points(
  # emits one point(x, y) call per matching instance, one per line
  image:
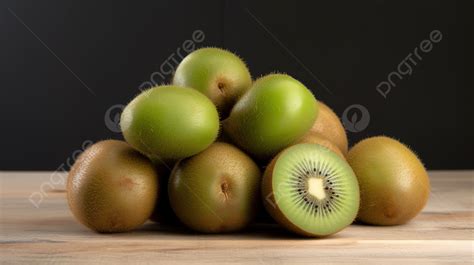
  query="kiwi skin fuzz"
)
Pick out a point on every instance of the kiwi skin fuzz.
point(170, 122)
point(216, 190)
point(112, 187)
point(394, 184)
point(219, 74)
point(276, 111)
point(329, 126)
point(315, 138)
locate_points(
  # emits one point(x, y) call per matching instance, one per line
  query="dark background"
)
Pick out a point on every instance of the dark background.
point(53, 51)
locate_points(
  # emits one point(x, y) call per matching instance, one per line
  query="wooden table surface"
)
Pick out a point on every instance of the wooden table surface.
point(37, 228)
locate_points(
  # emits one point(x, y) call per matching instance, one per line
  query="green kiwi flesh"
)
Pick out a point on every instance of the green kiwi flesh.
point(310, 190)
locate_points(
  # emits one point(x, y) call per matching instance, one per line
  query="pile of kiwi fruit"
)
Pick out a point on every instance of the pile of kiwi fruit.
point(209, 149)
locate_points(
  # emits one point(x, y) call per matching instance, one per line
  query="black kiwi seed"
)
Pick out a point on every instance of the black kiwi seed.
point(305, 172)
point(323, 212)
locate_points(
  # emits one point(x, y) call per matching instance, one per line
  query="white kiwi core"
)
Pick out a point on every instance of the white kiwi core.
point(316, 187)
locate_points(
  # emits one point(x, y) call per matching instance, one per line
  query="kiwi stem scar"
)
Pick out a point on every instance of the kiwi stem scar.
point(203, 202)
point(316, 187)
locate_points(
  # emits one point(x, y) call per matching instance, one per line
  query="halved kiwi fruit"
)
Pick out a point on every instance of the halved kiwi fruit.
point(310, 190)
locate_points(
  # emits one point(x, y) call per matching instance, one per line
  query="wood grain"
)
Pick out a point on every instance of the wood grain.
point(442, 233)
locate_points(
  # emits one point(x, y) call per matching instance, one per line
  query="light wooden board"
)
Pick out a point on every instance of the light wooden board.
point(48, 234)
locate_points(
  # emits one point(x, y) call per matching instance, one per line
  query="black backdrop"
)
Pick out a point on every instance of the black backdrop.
point(54, 53)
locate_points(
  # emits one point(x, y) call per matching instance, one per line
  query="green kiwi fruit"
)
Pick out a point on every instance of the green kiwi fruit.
point(170, 122)
point(394, 184)
point(272, 114)
point(329, 126)
point(219, 74)
point(315, 138)
point(112, 187)
point(216, 190)
point(310, 190)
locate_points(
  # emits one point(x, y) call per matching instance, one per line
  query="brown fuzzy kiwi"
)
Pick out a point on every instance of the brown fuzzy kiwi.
point(112, 187)
point(330, 127)
point(315, 138)
point(216, 190)
point(394, 183)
